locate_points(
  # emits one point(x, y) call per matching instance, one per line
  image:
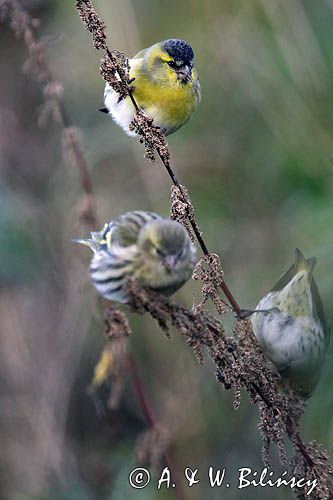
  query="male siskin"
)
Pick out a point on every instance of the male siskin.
point(291, 327)
point(154, 250)
point(166, 87)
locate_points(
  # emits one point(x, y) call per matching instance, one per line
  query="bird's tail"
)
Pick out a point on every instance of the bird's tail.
point(97, 242)
point(303, 264)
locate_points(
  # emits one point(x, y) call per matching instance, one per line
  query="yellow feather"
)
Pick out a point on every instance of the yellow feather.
point(108, 239)
point(159, 93)
point(103, 368)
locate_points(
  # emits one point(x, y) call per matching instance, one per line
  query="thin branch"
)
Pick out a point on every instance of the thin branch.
point(150, 419)
point(144, 405)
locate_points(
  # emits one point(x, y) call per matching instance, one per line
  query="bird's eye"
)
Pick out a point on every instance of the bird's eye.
point(172, 64)
point(159, 252)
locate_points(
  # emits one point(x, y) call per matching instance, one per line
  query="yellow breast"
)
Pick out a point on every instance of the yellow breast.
point(170, 104)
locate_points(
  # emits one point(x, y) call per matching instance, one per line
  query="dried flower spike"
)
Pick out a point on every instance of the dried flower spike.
point(92, 22)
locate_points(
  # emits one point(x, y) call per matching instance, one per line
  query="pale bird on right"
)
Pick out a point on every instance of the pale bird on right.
point(291, 328)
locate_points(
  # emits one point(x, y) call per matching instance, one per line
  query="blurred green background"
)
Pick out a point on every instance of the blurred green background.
point(257, 159)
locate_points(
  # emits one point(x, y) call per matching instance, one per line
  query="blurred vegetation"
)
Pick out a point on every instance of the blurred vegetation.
point(257, 159)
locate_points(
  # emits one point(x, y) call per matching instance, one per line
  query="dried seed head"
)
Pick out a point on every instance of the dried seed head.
point(209, 270)
point(151, 136)
point(92, 22)
point(322, 471)
point(53, 93)
point(151, 446)
point(116, 323)
point(71, 137)
point(114, 69)
point(182, 208)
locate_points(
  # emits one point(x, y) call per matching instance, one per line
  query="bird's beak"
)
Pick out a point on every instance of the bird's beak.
point(169, 262)
point(185, 74)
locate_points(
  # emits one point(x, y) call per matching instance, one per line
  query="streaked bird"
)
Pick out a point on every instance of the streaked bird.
point(292, 331)
point(166, 87)
point(152, 249)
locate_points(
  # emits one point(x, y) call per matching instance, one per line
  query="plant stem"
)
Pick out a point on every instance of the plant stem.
point(151, 421)
point(80, 163)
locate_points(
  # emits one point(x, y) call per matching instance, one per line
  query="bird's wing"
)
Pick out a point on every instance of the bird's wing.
point(301, 263)
point(308, 265)
point(318, 309)
point(284, 279)
point(126, 228)
point(123, 231)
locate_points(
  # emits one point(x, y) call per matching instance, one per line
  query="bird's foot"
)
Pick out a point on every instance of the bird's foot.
point(246, 313)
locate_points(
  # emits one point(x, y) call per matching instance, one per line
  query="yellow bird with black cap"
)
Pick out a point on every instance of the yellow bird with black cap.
point(166, 87)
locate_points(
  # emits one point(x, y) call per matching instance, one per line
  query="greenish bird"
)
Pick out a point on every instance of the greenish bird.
point(291, 328)
point(154, 250)
point(166, 87)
